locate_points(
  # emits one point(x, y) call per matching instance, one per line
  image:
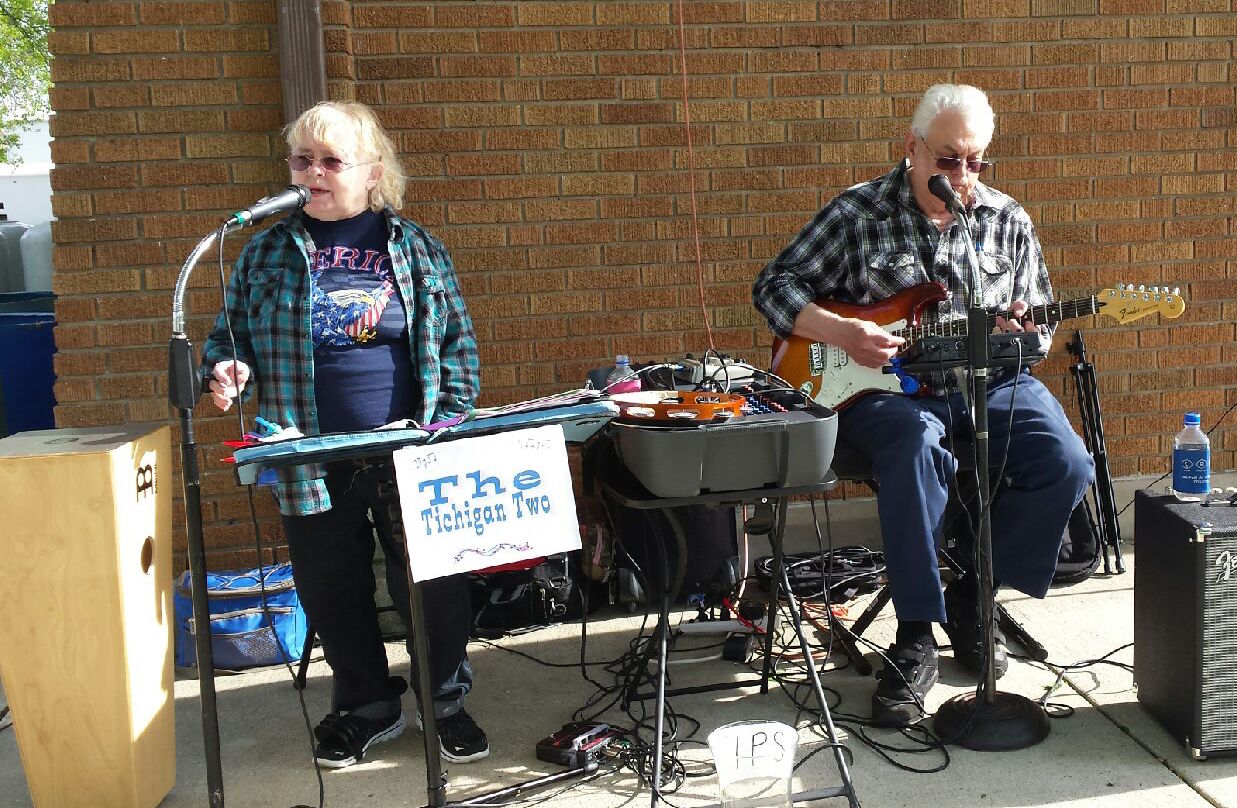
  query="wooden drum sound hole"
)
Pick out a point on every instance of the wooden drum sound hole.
point(148, 554)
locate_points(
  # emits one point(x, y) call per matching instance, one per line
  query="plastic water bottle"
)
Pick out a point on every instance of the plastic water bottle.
point(1191, 461)
point(622, 379)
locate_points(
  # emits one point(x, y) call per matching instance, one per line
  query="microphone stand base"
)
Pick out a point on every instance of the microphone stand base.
point(1007, 722)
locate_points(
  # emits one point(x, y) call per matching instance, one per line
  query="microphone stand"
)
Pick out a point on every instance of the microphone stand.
point(986, 720)
point(184, 389)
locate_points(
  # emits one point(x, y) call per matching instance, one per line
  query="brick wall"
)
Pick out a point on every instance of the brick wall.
point(546, 145)
point(167, 116)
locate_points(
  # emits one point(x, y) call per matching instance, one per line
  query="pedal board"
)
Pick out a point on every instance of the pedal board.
point(576, 744)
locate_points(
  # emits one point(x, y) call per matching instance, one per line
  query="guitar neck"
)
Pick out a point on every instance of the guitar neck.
point(1047, 314)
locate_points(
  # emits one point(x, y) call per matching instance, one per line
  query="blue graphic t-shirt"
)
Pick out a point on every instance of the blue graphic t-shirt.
point(363, 371)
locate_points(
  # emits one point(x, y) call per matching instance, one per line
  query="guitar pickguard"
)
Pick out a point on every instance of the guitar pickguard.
point(842, 379)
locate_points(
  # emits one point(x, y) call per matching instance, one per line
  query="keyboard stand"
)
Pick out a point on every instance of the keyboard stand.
point(618, 485)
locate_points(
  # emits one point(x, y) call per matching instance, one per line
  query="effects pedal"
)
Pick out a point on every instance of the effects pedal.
point(576, 744)
point(738, 647)
point(712, 369)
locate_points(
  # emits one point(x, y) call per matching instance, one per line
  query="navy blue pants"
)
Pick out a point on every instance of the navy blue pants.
point(1045, 466)
point(332, 562)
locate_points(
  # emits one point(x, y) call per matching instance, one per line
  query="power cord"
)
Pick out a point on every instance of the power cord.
point(849, 572)
point(922, 739)
point(1057, 709)
point(794, 684)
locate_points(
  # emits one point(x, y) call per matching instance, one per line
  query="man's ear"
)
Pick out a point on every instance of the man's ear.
point(909, 144)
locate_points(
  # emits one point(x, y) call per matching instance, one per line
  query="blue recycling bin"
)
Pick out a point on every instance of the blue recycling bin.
point(27, 377)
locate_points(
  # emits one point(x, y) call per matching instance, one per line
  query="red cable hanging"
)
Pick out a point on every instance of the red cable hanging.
point(691, 175)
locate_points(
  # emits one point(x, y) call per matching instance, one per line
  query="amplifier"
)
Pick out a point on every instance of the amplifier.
point(1185, 620)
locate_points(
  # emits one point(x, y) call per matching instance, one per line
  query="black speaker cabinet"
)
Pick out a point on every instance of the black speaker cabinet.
point(1185, 620)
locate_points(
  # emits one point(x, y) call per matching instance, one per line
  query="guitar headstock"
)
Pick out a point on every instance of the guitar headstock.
point(1129, 303)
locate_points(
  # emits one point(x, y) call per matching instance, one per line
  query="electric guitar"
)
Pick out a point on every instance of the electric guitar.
point(825, 373)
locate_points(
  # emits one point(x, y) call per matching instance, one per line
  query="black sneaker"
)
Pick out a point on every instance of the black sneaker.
point(962, 626)
point(344, 739)
point(460, 740)
point(909, 674)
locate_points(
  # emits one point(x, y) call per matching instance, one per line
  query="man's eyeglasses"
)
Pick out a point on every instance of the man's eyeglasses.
point(973, 164)
point(299, 162)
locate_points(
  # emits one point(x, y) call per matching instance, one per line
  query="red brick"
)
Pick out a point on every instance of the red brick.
point(135, 41)
point(66, 14)
point(391, 15)
point(182, 13)
point(91, 70)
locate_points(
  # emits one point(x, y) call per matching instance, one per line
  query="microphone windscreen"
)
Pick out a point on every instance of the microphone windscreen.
point(939, 185)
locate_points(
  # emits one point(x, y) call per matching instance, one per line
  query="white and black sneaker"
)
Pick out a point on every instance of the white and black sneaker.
point(344, 739)
point(459, 738)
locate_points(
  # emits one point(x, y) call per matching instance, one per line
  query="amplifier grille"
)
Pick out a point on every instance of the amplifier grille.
point(1218, 702)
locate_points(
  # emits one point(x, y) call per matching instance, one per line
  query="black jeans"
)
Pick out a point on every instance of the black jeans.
point(332, 562)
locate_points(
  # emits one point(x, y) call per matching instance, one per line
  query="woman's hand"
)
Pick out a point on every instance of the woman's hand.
point(227, 382)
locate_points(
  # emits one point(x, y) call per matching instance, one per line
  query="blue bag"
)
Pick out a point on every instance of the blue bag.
point(241, 635)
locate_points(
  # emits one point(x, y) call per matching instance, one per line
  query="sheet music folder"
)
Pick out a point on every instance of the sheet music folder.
point(579, 421)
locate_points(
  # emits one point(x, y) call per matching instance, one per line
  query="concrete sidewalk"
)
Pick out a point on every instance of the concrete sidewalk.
point(1107, 752)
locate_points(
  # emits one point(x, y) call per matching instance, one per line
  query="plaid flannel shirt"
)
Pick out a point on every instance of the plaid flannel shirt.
point(872, 241)
point(268, 304)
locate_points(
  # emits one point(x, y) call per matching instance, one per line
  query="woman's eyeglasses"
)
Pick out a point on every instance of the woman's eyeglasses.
point(973, 164)
point(299, 162)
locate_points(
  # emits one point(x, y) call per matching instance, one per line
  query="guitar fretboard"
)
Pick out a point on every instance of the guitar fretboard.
point(1047, 314)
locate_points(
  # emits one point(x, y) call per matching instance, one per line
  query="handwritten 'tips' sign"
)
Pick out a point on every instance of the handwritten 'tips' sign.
point(480, 502)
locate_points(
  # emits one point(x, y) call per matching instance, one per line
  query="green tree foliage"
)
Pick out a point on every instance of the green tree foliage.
point(25, 75)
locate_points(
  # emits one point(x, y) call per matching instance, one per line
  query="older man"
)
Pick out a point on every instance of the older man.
point(869, 243)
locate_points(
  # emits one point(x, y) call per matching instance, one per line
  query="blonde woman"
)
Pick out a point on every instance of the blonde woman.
point(347, 316)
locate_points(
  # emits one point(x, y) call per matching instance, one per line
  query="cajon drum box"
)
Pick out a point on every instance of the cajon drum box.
point(86, 612)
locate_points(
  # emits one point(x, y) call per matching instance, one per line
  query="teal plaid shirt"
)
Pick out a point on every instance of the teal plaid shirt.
point(268, 304)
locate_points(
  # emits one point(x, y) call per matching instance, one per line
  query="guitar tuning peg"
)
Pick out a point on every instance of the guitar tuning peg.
point(1177, 290)
point(1142, 287)
point(1120, 287)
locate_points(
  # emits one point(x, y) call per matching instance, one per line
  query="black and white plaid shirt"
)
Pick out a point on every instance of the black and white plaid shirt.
point(872, 241)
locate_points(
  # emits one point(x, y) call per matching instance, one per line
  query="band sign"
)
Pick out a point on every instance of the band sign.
point(481, 502)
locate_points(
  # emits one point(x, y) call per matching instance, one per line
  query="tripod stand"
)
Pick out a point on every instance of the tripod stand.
point(1093, 436)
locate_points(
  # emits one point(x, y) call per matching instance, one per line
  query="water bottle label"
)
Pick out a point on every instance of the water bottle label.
point(631, 384)
point(1192, 471)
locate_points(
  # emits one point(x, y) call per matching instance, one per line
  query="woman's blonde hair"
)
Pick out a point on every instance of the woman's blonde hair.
point(353, 127)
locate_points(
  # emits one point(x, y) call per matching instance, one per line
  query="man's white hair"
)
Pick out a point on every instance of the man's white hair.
point(969, 101)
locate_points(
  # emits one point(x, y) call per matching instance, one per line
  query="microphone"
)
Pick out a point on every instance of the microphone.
point(939, 185)
point(290, 198)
